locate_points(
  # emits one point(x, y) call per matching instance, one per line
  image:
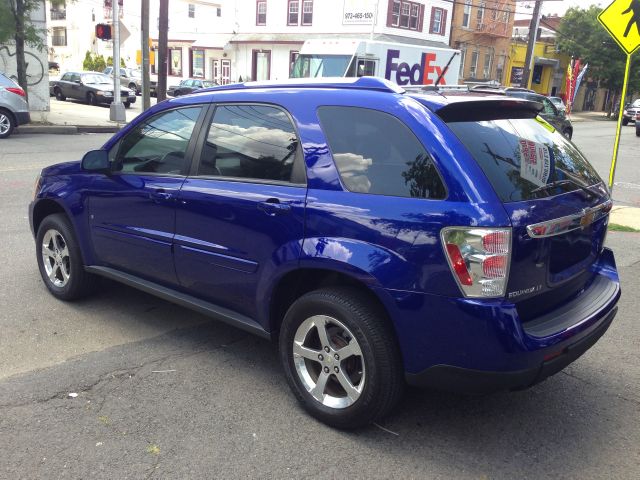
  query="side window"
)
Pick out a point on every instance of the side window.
point(75, 77)
point(66, 77)
point(253, 142)
point(377, 153)
point(548, 107)
point(159, 144)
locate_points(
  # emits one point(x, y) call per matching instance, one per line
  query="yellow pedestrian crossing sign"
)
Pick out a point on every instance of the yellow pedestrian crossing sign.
point(622, 20)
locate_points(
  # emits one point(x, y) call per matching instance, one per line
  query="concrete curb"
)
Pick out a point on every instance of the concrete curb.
point(68, 129)
point(625, 216)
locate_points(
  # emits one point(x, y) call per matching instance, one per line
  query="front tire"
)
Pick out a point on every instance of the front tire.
point(127, 104)
point(60, 260)
point(7, 124)
point(92, 99)
point(567, 134)
point(340, 357)
point(625, 122)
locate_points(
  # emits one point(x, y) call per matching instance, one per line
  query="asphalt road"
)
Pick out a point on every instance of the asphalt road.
point(165, 393)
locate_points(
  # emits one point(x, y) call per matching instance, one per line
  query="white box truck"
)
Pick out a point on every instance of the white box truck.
point(404, 64)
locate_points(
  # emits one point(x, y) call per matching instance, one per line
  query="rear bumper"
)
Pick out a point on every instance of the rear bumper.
point(467, 380)
point(472, 345)
point(23, 118)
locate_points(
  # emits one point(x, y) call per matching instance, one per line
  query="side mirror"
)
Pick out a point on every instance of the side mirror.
point(96, 161)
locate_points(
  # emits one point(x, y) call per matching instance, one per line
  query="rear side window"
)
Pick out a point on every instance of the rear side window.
point(525, 159)
point(376, 153)
point(252, 142)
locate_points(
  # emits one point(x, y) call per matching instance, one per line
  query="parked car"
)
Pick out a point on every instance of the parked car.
point(14, 109)
point(93, 87)
point(381, 237)
point(189, 85)
point(559, 103)
point(557, 118)
point(637, 124)
point(129, 77)
point(630, 112)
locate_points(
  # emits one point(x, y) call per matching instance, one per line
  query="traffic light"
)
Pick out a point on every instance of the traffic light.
point(103, 31)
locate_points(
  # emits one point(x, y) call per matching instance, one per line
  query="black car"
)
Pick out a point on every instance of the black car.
point(189, 85)
point(93, 87)
point(549, 111)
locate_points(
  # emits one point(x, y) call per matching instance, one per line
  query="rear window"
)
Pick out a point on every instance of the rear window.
point(378, 154)
point(525, 159)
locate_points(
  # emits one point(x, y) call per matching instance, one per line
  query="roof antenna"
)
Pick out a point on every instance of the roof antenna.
point(444, 70)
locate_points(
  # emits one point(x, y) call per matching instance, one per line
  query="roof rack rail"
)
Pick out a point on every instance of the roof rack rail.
point(361, 83)
point(438, 88)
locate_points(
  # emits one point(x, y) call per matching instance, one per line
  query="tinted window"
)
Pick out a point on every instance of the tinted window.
point(159, 144)
point(66, 77)
point(520, 156)
point(250, 141)
point(376, 153)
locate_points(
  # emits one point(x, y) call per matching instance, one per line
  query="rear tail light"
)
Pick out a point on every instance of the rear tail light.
point(17, 91)
point(479, 259)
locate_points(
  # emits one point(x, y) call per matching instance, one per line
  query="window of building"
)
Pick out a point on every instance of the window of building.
point(473, 70)
point(307, 12)
point(415, 12)
point(480, 13)
point(225, 77)
point(488, 61)
point(537, 74)
point(395, 13)
point(292, 17)
point(197, 63)
point(251, 142)
point(506, 15)
point(261, 12)
point(436, 21)
point(175, 62)
point(192, 10)
point(293, 56)
point(376, 153)
point(158, 145)
point(406, 15)
point(466, 13)
point(59, 37)
point(463, 57)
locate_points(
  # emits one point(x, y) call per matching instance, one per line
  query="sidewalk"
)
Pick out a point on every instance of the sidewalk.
point(73, 116)
point(588, 116)
point(625, 216)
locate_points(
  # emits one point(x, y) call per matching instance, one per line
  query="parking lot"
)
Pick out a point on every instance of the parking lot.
point(124, 385)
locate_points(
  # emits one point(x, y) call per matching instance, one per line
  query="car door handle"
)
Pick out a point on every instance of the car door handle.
point(273, 207)
point(161, 195)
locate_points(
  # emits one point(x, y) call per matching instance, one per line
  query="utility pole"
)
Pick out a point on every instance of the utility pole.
point(163, 40)
point(533, 34)
point(144, 33)
point(116, 109)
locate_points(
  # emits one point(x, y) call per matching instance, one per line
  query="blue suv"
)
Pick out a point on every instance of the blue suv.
point(381, 237)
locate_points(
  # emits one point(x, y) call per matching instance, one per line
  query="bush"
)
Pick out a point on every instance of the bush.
point(94, 62)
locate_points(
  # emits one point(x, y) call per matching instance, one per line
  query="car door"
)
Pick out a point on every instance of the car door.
point(240, 213)
point(69, 81)
point(132, 210)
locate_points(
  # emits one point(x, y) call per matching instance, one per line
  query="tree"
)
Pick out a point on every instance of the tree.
point(15, 24)
point(582, 36)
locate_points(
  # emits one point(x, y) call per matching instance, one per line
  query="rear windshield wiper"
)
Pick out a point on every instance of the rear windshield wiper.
point(559, 183)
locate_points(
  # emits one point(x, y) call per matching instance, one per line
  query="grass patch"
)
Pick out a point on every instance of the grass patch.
point(614, 227)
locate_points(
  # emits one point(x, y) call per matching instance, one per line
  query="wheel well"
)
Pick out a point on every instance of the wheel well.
point(298, 282)
point(43, 209)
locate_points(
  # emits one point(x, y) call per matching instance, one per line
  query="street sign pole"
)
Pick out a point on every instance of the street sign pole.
point(116, 109)
point(616, 145)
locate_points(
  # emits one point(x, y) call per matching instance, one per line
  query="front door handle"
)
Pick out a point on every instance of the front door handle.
point(161, 195)
point(273, 207)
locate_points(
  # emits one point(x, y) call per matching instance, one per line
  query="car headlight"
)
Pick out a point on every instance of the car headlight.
point(624, 112)
point(108, 94)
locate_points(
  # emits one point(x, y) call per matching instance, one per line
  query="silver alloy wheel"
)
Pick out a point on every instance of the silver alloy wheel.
point(55, 258)
point(5, 124)
point(329, 361)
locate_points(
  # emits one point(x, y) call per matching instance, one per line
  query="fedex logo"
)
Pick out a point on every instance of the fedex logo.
point(423, 73)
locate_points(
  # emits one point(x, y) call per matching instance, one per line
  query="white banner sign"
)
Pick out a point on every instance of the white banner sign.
point(359, 12)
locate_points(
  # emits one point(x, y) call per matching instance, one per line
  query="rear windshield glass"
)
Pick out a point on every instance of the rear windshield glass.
point(525, 159)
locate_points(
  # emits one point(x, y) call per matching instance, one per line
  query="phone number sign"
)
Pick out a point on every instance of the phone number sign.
point(358, 12)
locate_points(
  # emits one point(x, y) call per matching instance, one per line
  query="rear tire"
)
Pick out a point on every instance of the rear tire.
point(340, 357)
point(625, 122)
point(637, 132)
point(60, 259)
point(59, 95)
point(7, 124)
point(127, 104)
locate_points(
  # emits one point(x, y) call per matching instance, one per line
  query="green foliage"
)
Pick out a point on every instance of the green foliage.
point(110, 62)
point(94, 62)
point(582, 36)
point(33, 36)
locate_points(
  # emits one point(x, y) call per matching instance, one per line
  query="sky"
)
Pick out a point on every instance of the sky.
point(550, 7)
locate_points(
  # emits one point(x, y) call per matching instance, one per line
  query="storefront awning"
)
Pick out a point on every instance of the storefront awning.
point(299, 38)
point(550, 62)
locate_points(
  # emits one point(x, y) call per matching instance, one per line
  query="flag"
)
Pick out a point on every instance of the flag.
point(568, 87)
point(578, 81)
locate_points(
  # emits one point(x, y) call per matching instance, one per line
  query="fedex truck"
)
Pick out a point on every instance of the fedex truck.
point(401, 63)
